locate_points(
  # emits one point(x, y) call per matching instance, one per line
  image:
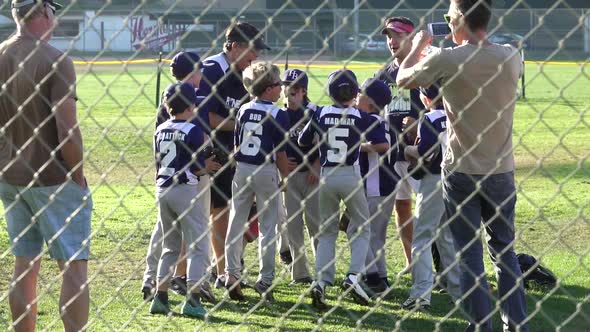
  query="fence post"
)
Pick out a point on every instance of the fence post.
point(158, 76)
point(522, 76)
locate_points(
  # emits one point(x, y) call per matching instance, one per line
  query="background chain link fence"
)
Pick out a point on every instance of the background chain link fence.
point(116, 47)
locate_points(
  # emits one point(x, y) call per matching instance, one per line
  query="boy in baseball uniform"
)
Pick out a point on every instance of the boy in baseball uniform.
point(185, 67)
point(259, 138)
point(380, 180)
point(341, 128)
point(429, 220)
point(177, 144)
point(301, 197)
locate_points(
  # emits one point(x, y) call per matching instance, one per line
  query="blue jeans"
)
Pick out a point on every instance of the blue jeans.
point(469, 201)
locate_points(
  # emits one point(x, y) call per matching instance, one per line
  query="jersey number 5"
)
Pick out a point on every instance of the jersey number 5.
point(168, 149)
point(338, 148)
point(250, 143)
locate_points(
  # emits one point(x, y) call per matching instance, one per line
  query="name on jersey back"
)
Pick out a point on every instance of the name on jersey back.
point(339, 121)
point(171, 136)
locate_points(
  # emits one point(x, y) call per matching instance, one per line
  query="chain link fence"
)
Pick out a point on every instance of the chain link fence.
point(122, 52)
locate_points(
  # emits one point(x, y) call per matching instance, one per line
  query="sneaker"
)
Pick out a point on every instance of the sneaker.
point(178, 285)
point(207, 293)
point(318, 298)
point(264, 290)
point(286, 257)
point(244, 284)
point(416, 304)
point(159, 307)
point(357, 292)
point(379, 289)
point(190, 310)
point(220, 282)
point(234, 289)
point(148, 290)
point(301, 281)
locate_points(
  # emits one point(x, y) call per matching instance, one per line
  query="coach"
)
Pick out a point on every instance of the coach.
point(479, 89)
point(405, 106)
point(42, 184)
point(220, 93)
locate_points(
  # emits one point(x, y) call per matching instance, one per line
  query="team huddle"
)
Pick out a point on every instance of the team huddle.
point(233, 167)
point(285, 163)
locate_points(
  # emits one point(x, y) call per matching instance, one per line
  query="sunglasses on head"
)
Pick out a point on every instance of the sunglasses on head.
point(53, 9)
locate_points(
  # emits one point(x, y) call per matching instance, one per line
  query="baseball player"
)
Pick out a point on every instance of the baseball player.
point(429, 221)
point(379, 184)
point(301, 196)
point(405, 107)
point(220, 94)
point(176, 141)
point(341, 128)
point(259, 151)
point(185, 68)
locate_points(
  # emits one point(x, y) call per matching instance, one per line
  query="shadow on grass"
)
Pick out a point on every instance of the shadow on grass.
point(564, 308)
point(344, 314)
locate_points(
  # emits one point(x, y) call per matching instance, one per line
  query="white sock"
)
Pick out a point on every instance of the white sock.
point(353, 278)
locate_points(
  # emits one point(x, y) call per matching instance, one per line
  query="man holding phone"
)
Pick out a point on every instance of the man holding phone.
point(479, 85)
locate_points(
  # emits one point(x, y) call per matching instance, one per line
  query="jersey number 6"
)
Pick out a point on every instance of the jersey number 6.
point(250, 143)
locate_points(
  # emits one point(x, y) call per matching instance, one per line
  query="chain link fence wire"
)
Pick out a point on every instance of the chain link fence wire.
point(122, 51)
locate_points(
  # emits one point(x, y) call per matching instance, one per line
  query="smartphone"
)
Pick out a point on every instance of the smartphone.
point(439, 29)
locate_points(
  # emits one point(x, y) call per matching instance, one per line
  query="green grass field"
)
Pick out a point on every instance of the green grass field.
point(116, 110)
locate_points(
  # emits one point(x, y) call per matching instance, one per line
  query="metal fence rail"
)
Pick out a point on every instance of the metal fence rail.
point(114, 50)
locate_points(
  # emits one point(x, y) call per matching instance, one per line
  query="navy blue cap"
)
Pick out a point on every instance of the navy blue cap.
point(295, 77)
point(431, 92)
point(342, 78)
point(184, 63)
point(378, 91)
point(179, 96)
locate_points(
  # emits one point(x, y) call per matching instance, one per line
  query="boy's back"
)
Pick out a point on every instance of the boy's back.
point(175, 144)
point(260, 131)
point(342, 128)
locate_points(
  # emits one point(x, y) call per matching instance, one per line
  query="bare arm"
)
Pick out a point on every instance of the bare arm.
point(70, 139)
point(411, 152)
point(406, 70)
point(314, 172)
point(220, 123)
point(282, 163)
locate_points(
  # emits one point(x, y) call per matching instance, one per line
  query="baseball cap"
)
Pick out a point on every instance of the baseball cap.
point(295, 77)
point(179, 96)
point(396, 24)
point(18, 4)
point(342, 78)
point(431, 92)
point(243, 32)
point(378, 91)
point(185, 63)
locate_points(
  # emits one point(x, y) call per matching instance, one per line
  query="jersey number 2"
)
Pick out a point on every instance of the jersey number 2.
point(168, 149)
point(250, 143)
point(338, 148)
